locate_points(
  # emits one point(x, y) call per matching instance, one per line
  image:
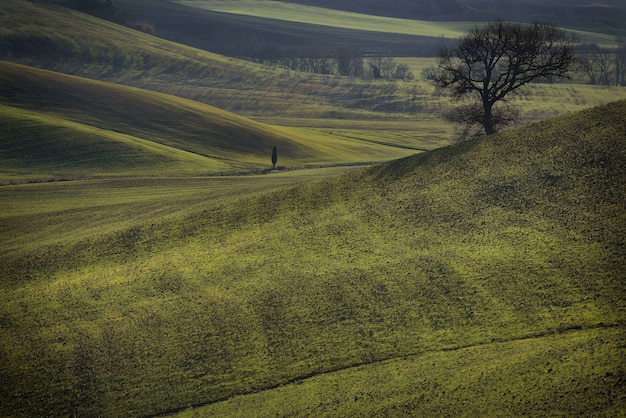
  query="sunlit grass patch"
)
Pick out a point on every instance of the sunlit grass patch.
point(328, 17)
point(459, 250)
point(350, 20)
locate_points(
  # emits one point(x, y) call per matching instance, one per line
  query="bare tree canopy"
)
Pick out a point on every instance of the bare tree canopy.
point(496, 59)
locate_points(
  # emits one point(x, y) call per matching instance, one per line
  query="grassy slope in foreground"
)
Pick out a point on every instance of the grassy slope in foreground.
point(505, 378)
point(54, 124)
point(506, 238)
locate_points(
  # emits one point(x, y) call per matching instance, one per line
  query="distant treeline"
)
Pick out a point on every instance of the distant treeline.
point(343, 61)
point(605, 66)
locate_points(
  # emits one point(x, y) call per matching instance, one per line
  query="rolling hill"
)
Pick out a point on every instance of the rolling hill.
point(608, 15)
point(421, 37)
point(65, 41)
point(228, 28)
point(482, 278)
point(71, 127)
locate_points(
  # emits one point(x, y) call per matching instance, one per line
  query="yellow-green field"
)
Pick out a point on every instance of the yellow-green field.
point(327, 17)
point(153, 263)
point(497, 259)
point(291, 12)
point(467, 381)
point(71, 209)
point(64, 127)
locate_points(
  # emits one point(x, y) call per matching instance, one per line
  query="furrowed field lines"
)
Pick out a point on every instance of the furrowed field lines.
point(46, 211)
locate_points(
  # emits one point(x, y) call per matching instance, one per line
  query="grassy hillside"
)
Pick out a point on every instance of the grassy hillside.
point(500, 260)
point(244, 30)
point(435, 31)
point(608, 16)
point(60, 126)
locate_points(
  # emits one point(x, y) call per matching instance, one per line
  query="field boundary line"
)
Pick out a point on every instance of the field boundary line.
point(565, 329)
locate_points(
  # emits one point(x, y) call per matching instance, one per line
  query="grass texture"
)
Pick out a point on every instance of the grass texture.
point(499, 260)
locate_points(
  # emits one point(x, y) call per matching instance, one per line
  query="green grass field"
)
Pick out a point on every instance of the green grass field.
point(152, 264)
point(498, 259)
point(292, 12)
point(64, 127)
point(81, 45)
point(327, 17)
point(466, 381)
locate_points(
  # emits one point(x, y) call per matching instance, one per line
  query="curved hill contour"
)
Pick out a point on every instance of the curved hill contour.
point(62, 125)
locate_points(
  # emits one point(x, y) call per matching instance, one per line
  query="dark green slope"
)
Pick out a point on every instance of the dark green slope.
point(202, 129)
point(454, 260)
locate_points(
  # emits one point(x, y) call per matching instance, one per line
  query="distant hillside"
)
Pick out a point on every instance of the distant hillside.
point(482, 278)
point(606, 16)
point(63, 40)
point(255, 37)
point(268, 29)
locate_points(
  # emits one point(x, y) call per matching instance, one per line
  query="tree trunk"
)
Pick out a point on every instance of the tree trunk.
point(488, 120)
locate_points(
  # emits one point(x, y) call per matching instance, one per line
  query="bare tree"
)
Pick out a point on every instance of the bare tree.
point(605, 66)
point(349, 62)
point(604, 61)
point(588, 66)
point(493, 61)
point(620, 62)
point(382, 67)
point(403, 72)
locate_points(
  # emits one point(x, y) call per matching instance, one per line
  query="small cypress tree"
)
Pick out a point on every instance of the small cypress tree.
point(274, 157)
